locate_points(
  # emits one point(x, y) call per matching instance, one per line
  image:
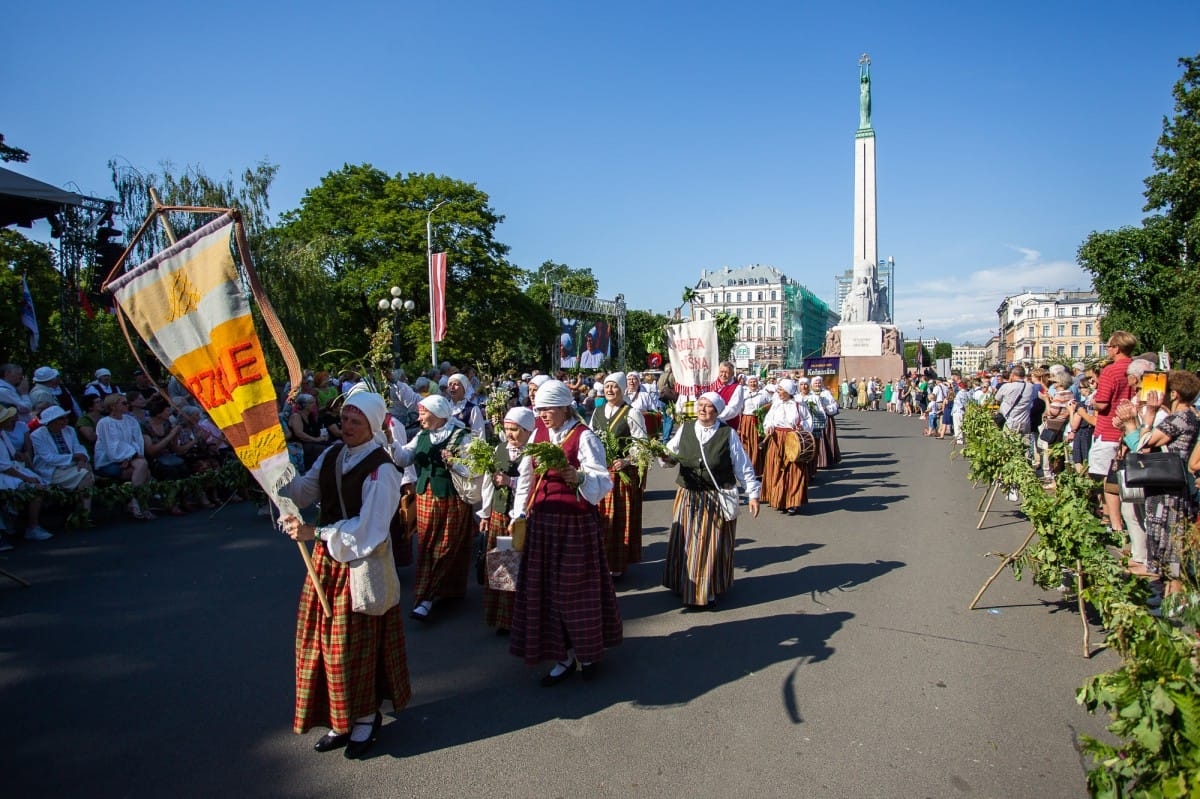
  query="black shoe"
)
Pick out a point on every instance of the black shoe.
point(501, 631)
point(588, 672)
point(331, 740)
point(355, 750)
point(550, 681)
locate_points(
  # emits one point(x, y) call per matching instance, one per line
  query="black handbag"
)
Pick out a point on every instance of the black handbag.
point(999, 419)
point(1164, 472)
point(1050, 435)
point(481, 549)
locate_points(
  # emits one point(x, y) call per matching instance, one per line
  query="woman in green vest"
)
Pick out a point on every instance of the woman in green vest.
point(621, 510)
point(498, 508)
point(443, 520)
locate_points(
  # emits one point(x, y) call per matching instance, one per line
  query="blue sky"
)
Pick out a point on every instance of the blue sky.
point(645, 140)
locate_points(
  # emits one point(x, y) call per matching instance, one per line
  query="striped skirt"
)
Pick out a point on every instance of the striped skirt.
point(565, 596)
point(497, 605)
point(700, 549)
point(747, 430)
point(347, 663)
point(443, 547)
point(621, 519)
point(829, 443)
point(785, 484)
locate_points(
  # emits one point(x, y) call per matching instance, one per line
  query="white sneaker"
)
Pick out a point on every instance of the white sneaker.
point(37, 533)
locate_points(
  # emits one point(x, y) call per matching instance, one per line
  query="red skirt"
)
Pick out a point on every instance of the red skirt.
point(347, 663)
point(443, 547)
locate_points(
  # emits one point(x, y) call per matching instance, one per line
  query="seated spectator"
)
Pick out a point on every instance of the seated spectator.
point(14, 475)
point(101, 387)
point(59, 458)
point(85, 426)
point(166, 446)
point(143, 389)
point(305, 426)
point(120, 450)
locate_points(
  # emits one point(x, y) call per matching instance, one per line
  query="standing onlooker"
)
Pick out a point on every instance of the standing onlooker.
point(1112, 389)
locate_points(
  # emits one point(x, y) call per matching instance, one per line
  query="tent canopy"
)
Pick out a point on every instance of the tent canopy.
point(24, 200)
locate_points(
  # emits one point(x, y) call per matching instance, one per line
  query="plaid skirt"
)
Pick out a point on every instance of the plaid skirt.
point(443, 547)
point(347, 663)
point(700, 549)
point(621, 519)
point(565, 598)
point(497, 605)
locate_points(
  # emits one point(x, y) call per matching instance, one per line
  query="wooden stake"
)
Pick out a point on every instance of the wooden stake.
point(162, 217)
point(1005, 563)
point(312, 575)
point(1087, 648)
point(991, 499)
point(983, 499)
point(14, 578)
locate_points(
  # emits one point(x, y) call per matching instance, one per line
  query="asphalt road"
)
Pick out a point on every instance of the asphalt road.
point(155, 660)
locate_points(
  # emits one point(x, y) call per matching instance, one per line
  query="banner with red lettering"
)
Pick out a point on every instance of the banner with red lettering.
point(437, 295)
point(692, 347)
point(190, 308)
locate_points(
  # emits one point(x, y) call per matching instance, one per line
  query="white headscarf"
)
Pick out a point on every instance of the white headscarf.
point(553, 394)
point(715, 399)
point(438, 405)
point(520, 416)
point(371, 404)
point(789, 385)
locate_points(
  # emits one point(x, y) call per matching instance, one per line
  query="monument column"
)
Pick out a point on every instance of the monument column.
point(866, 233)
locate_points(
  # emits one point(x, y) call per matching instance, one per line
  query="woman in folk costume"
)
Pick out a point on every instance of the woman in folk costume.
point(565, 609)
point(747, 425)
point(498, 507)
point(830, 451)
point(805, 397)
point(621, 510)
point(700, 548)
point(463, 405)
point(347, 663)
point(443, 520)
point(785, 484)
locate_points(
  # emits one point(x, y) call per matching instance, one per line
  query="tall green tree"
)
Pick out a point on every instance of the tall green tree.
point(1146, 276)
point(365, 231)
point(21, 257)
point(572, 280)
point(644, 329)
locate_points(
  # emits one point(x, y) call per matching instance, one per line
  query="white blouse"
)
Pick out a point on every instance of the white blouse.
point(118, 440)
point(595, 481)
point(47, 458)
point(789, 415)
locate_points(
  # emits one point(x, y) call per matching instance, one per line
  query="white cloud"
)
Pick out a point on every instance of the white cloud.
point(962, 307)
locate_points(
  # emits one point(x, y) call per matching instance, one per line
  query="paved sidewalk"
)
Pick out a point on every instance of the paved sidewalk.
point(152, 660)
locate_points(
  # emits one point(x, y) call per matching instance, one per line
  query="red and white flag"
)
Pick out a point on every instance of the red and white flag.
point(437, 295)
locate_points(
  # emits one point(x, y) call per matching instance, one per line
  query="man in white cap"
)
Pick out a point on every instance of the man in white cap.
point(592, 356)
point(103, 385)
point(565, 609)
point(47, 388)
point(443, 518)
point(347, 664)
point(566, 352)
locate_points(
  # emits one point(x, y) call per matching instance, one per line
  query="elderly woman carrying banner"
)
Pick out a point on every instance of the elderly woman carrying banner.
point(347, 663)
point(621, 510)
point(443, 520)
point(498, 505)
point(785, 483)
point(565, 609)
point(700, 548)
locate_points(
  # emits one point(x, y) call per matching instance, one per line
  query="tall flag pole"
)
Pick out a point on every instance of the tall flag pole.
point(29, 315)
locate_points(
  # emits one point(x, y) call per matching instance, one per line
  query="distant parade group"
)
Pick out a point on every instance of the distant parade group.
point(560, 465)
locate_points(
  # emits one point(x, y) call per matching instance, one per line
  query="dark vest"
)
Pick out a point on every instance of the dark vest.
point(550, 492)
point(692, 474)
point(502, 496)
point(352, 483)
point(464, 415)
point(431, 469)
point(619, 425)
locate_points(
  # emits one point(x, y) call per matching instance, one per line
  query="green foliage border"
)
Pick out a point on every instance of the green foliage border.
point(1153, 699)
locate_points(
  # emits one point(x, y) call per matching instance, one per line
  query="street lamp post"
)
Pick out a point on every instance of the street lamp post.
point(429, 263)
point(396, 305)
point(920, 347)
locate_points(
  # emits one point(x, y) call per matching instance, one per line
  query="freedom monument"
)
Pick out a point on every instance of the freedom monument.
point(865, 338)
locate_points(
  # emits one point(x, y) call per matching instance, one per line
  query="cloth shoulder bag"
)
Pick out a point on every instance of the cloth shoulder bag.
point(374, 583)
point(728, 502)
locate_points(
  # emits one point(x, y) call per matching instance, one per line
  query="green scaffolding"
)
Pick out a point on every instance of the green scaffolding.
point(807, 316)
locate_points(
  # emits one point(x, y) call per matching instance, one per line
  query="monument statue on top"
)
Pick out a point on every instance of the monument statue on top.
point(864, 92)
point(865, 301)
